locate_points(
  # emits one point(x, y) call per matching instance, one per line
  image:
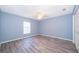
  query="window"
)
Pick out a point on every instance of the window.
point(26, 27)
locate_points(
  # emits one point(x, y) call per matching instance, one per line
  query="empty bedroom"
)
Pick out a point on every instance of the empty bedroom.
point(39, 28)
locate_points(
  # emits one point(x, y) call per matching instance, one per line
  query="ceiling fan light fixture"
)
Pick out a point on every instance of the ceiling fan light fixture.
point(40, 15)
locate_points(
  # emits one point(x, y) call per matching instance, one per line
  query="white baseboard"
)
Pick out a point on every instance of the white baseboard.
point(32, 36)
point(56, 37)
point(17, 39)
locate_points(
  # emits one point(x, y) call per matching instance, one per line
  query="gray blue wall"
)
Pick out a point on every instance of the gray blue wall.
point(12, 26)
point(60, 26)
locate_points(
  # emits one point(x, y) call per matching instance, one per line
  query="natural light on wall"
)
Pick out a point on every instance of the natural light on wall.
point(26, 27)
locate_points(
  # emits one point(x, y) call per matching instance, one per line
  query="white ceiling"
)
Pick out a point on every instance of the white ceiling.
point(31, 10)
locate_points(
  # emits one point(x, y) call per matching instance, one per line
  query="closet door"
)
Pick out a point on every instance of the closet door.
point(76, 23)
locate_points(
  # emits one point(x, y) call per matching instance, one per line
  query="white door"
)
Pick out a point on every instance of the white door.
point(76, 23)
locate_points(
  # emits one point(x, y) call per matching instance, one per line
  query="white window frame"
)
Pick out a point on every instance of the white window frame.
point(26, 27)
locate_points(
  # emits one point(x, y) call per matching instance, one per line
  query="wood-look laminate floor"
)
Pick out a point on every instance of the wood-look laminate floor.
point(38, 44)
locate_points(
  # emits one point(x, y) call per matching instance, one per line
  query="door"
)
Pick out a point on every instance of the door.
point(76, 23)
